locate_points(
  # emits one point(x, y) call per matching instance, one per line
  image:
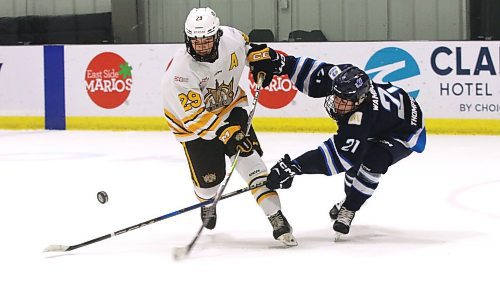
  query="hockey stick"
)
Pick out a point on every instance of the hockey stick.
point(182, 252)
point(61, 248)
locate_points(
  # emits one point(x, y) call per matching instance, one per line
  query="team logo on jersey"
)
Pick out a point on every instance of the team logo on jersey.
point(220, 96)
point(209, 178)
point(108, 80)
point(278, 94)
point(395, 65)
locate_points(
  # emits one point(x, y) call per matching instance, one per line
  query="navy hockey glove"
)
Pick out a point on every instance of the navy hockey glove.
point(264, 59)
point(282, 173)
point(232, 134)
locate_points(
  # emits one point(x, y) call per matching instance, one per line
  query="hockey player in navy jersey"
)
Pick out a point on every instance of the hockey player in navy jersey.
point(378, 125)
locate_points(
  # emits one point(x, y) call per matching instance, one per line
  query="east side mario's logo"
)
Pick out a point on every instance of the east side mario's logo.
point(108, 80)
point(278, 94)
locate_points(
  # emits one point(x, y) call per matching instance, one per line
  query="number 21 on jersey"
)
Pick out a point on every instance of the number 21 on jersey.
point(351, 145)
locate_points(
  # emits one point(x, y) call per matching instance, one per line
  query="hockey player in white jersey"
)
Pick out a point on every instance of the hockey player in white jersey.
point(205, 109)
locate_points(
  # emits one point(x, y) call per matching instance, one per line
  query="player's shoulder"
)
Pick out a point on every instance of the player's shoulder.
point(181, 69)
point(180, 59)
point(233, 34)
point(183, 62)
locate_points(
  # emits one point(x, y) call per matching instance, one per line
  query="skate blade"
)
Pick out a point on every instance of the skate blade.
point(288, 239)
point(339, 237)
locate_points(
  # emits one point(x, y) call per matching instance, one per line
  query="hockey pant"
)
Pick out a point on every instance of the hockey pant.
point(207, 164)
point(362, 179)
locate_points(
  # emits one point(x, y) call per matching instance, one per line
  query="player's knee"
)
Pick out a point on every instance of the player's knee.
point(368, 178)
point(351, 173)
point(258, 180)
point(251, 167)
point(377, 160)
point(205, 193)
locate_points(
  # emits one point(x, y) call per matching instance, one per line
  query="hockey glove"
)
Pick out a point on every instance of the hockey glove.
point(232, 134)
point(234, 139)
point(282, 173)
point(264, 59)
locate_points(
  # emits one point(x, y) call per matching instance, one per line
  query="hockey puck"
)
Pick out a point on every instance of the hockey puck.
point(102, 197)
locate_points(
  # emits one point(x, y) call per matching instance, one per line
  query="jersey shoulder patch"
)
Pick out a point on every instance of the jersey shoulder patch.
point(355, 118)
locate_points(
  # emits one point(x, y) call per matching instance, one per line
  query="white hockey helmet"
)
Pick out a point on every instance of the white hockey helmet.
point(202, 23)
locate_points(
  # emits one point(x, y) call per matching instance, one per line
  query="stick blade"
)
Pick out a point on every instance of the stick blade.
point(179, 253)
point(56, 248)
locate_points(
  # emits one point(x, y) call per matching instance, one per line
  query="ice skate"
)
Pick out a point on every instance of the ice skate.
point(343, 223)
point(334, 212)
point(209, 216)
point(282, 231)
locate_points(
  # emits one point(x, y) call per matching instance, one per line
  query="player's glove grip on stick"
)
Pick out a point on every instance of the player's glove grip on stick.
point(232, 134)
point(264, 59)
point(234, 139)
point(282, 173)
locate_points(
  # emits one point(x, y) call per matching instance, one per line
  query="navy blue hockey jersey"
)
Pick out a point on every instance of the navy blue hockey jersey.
point(388, 112)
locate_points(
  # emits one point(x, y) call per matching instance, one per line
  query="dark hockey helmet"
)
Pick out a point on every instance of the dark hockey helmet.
point(350, 88)
point(202, 23)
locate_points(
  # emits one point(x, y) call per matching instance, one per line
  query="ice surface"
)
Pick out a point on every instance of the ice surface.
point(432, 226)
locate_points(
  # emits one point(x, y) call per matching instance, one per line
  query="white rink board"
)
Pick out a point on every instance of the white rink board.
point(452, 95)
point(21, 81)
point(471, 89)
point(148, 64)
point(461, 93)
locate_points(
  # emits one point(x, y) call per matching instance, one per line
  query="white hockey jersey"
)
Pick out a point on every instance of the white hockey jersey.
point(198, 96)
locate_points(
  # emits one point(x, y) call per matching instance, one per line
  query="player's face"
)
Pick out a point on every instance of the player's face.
point(203, 46)
point(343, 106)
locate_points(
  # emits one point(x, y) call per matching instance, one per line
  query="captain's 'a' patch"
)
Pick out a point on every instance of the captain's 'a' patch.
point(355, 118)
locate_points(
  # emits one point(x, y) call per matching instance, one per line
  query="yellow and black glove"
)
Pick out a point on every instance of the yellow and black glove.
point(265, 59)
point(234, 139)
point(232, 134)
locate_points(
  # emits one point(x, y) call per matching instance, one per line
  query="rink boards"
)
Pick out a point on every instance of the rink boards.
point(117, 87)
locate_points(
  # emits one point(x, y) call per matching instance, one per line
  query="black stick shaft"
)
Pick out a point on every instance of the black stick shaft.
point(165, 216)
